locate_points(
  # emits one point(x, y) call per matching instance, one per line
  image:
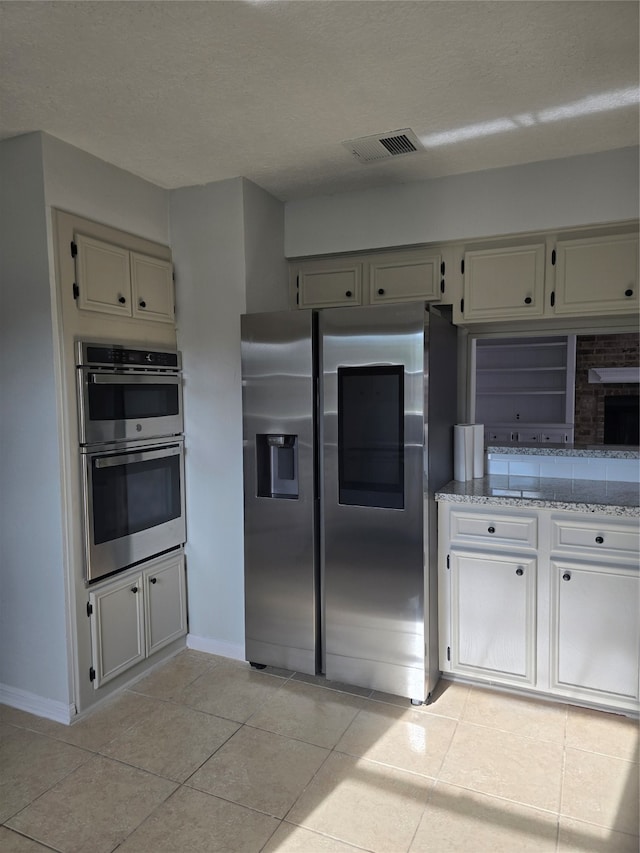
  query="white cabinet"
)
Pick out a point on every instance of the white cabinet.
point(493, 616)
point(525, 388)
point(165, 604)
point(595, 646)
point(505, 283)
point(135, 615)
point(541, 600)
point(597, 275)
point(402, 276)
point(117, 627)
point(152, 288)
point(406, 276)
point(113, 280)
point(329, 283)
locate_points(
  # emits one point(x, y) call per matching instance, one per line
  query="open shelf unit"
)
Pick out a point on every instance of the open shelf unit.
point(524, 388)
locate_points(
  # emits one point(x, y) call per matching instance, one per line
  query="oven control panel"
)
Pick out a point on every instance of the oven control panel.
point(116, 356)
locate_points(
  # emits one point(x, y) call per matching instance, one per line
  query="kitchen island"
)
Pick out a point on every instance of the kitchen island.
point(539, 587)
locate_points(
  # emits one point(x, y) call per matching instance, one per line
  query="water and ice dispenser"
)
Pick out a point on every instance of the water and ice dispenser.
point(277, 460)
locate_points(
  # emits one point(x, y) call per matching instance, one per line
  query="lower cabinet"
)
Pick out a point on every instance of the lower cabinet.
point(493, 616)
point(550, 605)
point(135, 615)
point(595, 646)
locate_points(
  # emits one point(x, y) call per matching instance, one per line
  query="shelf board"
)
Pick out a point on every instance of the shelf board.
point(521, 392)
point(562, 368)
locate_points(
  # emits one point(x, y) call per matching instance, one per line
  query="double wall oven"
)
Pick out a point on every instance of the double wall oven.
point(132, 454)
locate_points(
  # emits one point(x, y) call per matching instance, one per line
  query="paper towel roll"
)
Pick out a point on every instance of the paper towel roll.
point(478, 451)
point(463, 452)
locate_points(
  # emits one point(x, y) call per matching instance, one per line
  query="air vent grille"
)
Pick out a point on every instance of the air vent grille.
point(383, 146)
point(398, 144)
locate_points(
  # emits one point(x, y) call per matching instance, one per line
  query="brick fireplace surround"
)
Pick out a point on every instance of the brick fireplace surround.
point(618, 350)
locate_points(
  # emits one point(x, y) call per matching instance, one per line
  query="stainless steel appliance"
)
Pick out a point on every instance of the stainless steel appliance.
point(133, 503)
point(348, 428)
point(127, 393)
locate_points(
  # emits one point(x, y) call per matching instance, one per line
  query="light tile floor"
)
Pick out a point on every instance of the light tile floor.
point(206, 754)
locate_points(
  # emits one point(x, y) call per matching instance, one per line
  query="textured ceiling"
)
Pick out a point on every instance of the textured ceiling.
point(185, 93)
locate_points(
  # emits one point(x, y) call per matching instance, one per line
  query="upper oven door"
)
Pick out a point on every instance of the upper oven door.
point(128, 406)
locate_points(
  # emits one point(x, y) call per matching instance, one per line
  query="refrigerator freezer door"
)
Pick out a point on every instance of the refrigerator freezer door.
point(281, 599)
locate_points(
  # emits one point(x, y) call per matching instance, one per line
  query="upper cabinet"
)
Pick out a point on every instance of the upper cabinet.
point(328, 283)
point(504, 283)
point(577, 273)
point(406, 276)
point(596, 276)
point(403, 276)
point(114, 280)
point(572, 275)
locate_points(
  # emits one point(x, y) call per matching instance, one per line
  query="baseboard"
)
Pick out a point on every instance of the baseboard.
point(23, 700)
point(235, 651)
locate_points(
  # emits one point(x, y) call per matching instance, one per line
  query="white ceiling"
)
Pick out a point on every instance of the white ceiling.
point(185, 93)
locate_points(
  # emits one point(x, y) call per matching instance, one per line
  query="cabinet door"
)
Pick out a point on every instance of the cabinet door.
point(322, 284)
point(152, 288)
point(165, 604)
point(595, 645)
point(493, 615)
point(103, 276)
point(502, 284)
point(597, 276)
point(117, 628)
point(405, 276)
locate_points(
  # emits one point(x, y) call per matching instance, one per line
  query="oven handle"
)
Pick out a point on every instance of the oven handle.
point(131, 458)
point(133, 379)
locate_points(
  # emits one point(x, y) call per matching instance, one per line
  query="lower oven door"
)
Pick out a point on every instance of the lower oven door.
point(133, 504)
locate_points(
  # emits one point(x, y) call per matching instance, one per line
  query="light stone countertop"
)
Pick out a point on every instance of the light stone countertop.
point(598, 496)
point(595, 451)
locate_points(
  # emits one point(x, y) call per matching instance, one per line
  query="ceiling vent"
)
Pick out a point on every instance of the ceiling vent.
point(383, 146)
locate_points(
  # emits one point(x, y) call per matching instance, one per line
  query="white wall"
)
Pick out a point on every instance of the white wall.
point(208, 253)
point(82, 184)
point(33, 643)
point(266, 266)
point(574, 191)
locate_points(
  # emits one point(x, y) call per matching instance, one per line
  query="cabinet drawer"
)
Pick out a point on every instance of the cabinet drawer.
point(604, 539)
point(510, 530)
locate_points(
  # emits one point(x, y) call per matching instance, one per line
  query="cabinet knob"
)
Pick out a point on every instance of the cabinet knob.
point(381, 291)
point(142, 303)
point(528, 300)
point(348, 293)
point(628, 292)
point(491, 529)
point(121, 300)
point(134, 589)
point(599, 539)
point(153, 580)
point(519, 571)
point(566, 576)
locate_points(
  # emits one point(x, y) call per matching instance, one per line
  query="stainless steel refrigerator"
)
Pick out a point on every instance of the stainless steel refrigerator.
point(348, 420)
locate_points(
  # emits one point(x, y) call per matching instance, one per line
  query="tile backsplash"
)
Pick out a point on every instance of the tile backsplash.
point(564, 467)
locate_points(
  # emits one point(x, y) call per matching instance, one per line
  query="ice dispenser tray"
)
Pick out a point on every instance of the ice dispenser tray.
point(277, 463)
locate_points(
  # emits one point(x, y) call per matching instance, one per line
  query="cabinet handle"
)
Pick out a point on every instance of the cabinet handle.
point(381, 291)
point(599, 539)
point(628, 292)
point(566, 576)
point(528, 300)
point(348, 293)
point(134, 589)
point(142, 303)
point(121, 300)
point(153, 580)
point(519, 571)
point(491, 529)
